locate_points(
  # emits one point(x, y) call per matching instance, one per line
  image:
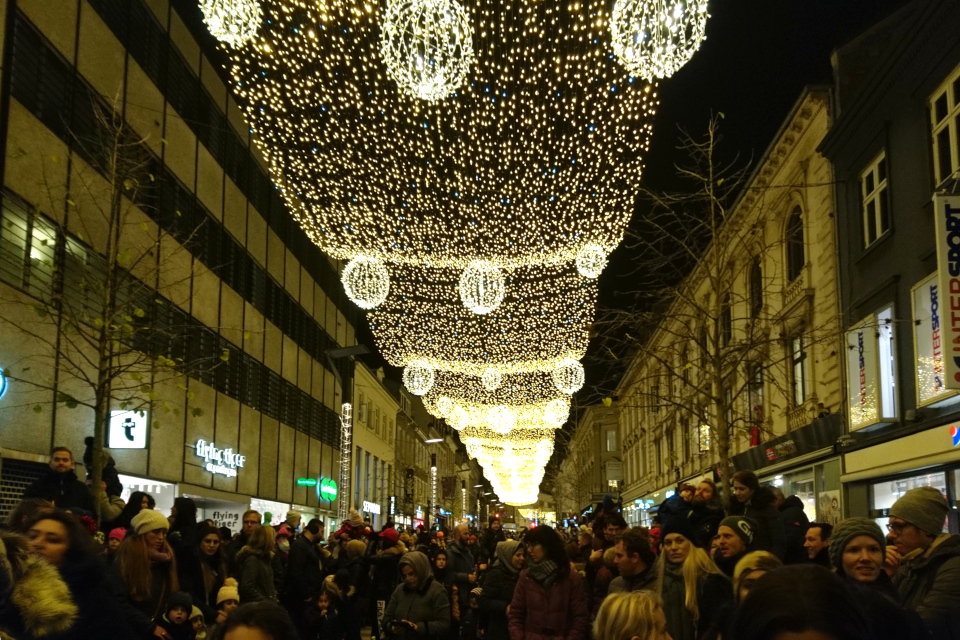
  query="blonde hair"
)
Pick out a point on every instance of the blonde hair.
point(695, 569)
point(623, 616)
point(260, 543)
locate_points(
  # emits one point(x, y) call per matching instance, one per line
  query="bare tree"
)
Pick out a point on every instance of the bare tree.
point(96, 278)
point(712, 333)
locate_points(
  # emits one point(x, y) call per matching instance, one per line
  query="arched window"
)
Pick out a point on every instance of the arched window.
point(795, 252)
point(756, 289)
point(726, 320)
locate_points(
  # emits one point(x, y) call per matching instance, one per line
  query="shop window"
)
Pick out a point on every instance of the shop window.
point(945, 123)
point(871, 370)
point(884, 494)
point(928, 338)
point(704, 433)
point(799, 378)
point(796, 255)
point(875, 201)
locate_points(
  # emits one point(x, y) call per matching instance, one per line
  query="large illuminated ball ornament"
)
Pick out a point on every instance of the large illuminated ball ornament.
point(366, 281)
point(418, 378)
point(482, 286)
point(556, 412)
point(568, 376)
point(654, 38)
point(427, 46)
point(591, 260)
point(232, 22)
point(491, 379)
point(444, 405)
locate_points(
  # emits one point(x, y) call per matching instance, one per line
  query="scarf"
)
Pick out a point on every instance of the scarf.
point(158, 556)
point(544, 572)
point(505, 551)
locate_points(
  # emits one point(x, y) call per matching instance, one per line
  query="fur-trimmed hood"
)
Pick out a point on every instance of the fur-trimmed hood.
point(36, 600)
point(398, 549)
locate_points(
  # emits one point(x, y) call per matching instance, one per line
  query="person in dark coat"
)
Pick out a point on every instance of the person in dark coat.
point(202, 570)
point(816, 543)
point(250, 522)
point(706, 512)
point(795, 524)
point(358, 576)
point(137, 502)
point(736, 535)
point(304, 570)
point(418, 608)
point(756, 502)
point(461, 566)
point(183, 525)
point(384, 557)
point(548, 601)
point(492, 536)
point(635, 560)
point(60, 486)
point(497, 587)
point(678, 505)
point(61, 541)
point(256, 567)
point(857, 553)
point(693, 589)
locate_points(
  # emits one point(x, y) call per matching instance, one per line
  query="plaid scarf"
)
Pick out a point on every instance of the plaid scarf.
point(544, 572)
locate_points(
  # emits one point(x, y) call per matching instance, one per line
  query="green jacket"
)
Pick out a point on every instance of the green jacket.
point(929, 582)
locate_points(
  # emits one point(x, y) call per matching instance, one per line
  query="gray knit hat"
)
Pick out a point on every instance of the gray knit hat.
point(743, 526)
point(923, 507)
point(847, 530)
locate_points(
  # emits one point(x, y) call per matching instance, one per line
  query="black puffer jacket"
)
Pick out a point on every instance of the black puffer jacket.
point(769, 536)
point(714, 593)
point(795, 524)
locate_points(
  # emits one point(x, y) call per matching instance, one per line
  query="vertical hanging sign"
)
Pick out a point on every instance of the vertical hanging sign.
point(947, 219)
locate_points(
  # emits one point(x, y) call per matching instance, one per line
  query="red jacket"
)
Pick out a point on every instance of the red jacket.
point(554, 613)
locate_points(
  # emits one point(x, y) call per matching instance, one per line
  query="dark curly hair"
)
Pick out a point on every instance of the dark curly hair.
point(80, 542)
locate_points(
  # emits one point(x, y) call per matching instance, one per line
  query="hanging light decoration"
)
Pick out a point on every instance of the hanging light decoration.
point(418, 378)
point(427, 46)
point(482, 287)
point(366, 281)
point(568, 376)
point(491, 379)
point(444, 406)
point(591, 260)
point(233, 22)
point(654, 38)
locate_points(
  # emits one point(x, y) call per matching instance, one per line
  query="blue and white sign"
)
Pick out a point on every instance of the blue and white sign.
point(127, 430)
point(4, 383)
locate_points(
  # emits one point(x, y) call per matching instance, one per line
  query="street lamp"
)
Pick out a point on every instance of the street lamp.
point(433, 486)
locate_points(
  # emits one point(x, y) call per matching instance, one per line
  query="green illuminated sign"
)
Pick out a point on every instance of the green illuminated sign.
point(306, 482)
point(327, 489)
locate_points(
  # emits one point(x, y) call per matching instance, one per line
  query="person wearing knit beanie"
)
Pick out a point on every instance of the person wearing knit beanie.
point(149, 520)
point(745, 528)
point(228, 599)
point(751, 568)
point(736, 534)
point(923, 507)
point(857, 549)
point(678, 524)
point(176, 620)
point(197, 622)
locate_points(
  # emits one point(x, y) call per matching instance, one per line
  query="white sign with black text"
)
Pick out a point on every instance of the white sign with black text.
point(222, 461)
point(127, 430)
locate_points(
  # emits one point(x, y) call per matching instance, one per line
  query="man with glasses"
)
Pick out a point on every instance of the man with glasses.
point(250, 522)
point(927, 560)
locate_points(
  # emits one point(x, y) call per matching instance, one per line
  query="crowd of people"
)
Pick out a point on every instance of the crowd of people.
point(755, 570)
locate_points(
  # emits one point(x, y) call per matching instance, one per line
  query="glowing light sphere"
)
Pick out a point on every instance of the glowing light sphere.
point(654, 38)
point(568, 376)
point(427, 46)
point(556, 411)
point(233, 22)
point(501, 419)
point(482, 286)
point(444, 405)
point(591, 260)
point(366, 281)
point(418, 378)
point(491, 379)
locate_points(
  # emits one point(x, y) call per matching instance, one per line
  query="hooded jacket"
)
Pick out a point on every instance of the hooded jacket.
point(63, 489)
point(497, 589)
point(557, 611)
point(488, 544)
point(425, 604)
point(769, 536)
point(386, 569)
point(795, 525)
point(928, 581)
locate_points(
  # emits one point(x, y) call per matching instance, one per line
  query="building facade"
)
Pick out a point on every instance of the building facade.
point(593, 466)
point(748, 350)
point(374, 439)
point(894, 146)
point(235, 280)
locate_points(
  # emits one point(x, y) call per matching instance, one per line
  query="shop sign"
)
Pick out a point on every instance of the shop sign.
point(371, 507)
point(393, 505)
point(862, 375)
point(927, 332)
point(4, 384)
point(947, 219)
point(781, 449)
point(127, 430)
point(955, 435)
point(219, 461)
point(327, 490)
point(306, 482)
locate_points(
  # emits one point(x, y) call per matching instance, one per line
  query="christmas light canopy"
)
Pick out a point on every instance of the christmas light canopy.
point(491, 379)
point(418, 378)
point(427, 46)
point(591, 260)
point(482, 287)
point(568, 377)
point(654, 38)
point(233, 22)
point(366, 281)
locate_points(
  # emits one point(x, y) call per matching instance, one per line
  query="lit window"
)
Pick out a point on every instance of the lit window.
point(612, 440)
point(871, 370)
point(876, 207)
point(945, 121)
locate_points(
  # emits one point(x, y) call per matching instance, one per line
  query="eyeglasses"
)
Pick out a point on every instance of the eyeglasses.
point(251, 522)
point(897, 527)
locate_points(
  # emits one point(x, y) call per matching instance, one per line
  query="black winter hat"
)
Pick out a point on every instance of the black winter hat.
point(678, 524)
point(180, 599)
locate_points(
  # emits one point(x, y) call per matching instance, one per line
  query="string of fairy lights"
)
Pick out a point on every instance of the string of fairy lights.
point(474, 163)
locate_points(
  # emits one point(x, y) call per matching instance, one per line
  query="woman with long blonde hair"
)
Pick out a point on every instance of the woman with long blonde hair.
point(631, 615)
point(256, 567)
point(693, 588)
point(148, 572)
